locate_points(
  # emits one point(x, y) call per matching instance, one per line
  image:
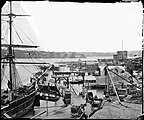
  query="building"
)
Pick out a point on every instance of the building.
point(115, 59)
point(122, 55)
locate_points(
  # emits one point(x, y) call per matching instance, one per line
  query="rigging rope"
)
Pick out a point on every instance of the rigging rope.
point(18, 35)
point(22, 42)
point(117, 94)
point(37, 59)
point(124, 79)
point(6, 76)
point(33, 61)
point(6, 33)
point(3, 71)
point(26, 69)
point(4, 26)
point(25, 34)
point(14, 76)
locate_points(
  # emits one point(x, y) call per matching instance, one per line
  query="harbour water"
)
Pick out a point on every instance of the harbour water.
point(27, 71)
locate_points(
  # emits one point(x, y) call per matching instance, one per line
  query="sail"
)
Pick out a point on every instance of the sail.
point(3, 68)
point(5, 81)
point(16, 78)
point(22, 31)
point(17, 99)
point(22, 34)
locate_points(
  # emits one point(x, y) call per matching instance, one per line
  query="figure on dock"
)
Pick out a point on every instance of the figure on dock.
point(105, 70)
point(84, 115)
point(79, 111)
point(99, 70)
point(67, 97)
point(106, 91)
point(89, 97)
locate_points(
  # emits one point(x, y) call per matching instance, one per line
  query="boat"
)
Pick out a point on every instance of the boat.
point(45, 89)
point(17, 99)
point(46, 84)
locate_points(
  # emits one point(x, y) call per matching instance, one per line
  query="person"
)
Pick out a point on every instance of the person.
point(89, 98)
point(95, 97)
point(84, 115)
point(86, 98)
point(83, 96)
point(131, 79)
point(131, 72)
point(116, 70)
point(99, 71)
point(105, 70)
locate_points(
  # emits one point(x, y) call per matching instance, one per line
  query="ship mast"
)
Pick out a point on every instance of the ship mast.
point(11, 45)
point(10, 48)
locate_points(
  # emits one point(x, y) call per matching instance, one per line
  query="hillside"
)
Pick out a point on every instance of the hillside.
point(44, 54)
point(110, 54)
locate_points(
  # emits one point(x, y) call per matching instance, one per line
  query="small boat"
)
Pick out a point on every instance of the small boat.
point(48, 89)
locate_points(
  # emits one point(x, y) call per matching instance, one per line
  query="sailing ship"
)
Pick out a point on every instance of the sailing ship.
point(17, 99)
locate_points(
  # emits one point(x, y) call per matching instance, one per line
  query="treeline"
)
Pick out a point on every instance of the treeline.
point(43, 54)
point(110, 54)
point(98, 54)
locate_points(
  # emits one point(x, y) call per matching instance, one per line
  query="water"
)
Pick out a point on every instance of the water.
point(53, 60)
point(27, 71)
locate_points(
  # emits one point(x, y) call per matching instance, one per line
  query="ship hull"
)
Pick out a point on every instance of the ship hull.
point(20, 107)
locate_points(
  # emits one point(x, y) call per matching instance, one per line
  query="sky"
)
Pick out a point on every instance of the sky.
point(86, 27)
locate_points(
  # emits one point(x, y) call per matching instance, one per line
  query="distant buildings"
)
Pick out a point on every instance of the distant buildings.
point(120, 56)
